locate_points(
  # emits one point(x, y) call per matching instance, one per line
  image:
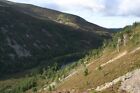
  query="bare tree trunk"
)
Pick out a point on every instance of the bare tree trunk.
point(118, 44)
point(125, 39)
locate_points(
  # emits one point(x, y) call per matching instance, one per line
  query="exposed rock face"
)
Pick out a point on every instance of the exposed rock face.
point(132, 84)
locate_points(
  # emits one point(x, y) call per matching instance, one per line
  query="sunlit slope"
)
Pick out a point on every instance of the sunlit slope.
point(107, 71)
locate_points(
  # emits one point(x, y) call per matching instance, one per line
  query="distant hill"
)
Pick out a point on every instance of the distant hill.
point(32, 36)
point(59, 17)
point(115, 30)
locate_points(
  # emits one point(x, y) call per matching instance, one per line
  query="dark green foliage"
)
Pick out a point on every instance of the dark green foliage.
point(86, 72)
point(50, 88)
point(112, 44)
point(99, 68)
point(136, 39)
point(25, 85)
point(135, 24)
point(97, 52)
point(127, 29)
point(21, 87)
point(34, 89)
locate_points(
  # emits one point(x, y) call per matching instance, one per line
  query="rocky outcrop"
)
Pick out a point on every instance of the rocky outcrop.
point(132, 84)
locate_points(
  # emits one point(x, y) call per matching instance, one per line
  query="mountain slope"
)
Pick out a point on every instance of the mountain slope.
point(28, 41)
point(59, 17)
point(109, 71)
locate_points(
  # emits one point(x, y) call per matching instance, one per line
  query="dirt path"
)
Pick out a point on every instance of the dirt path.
point(135, 50)
point(110, 61)
point(114, 59)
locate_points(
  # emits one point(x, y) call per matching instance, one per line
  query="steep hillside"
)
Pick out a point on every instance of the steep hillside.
point(27, 41)
point(114, 68)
